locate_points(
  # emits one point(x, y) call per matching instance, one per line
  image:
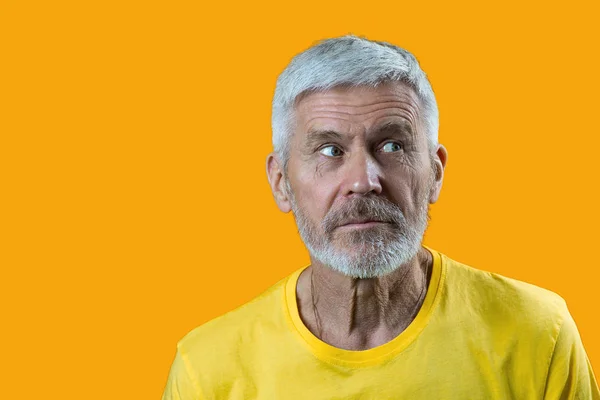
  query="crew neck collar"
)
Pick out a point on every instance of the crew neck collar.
point(375, 355)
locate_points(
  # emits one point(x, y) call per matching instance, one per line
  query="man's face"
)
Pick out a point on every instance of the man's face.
point(360, 177)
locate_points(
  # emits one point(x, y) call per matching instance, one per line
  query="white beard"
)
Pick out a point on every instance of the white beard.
point(370, 252)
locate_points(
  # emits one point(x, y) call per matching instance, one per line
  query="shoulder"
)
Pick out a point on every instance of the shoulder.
point(228, 345)
point(220, 349)
point(524, 329)
point(235, 325)
point(500, 300)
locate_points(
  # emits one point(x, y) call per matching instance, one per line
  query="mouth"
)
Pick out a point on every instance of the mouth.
point(358, 224)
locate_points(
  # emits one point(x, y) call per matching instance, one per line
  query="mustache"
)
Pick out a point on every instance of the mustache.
point(368, 208)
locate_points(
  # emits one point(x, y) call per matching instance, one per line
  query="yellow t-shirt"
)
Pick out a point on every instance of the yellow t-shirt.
point(478, 335)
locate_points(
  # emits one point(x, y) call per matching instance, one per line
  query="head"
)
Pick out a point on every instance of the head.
point(356, 154)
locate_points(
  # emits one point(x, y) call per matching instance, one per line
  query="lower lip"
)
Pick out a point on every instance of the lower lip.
point(362, 225)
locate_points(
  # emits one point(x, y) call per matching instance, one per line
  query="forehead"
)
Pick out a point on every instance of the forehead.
point(358, 108)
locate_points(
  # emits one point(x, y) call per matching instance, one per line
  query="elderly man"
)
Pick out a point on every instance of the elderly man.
point(376, 315)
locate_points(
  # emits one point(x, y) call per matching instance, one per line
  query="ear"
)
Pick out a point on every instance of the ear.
point(439, 164)
point(276, 180)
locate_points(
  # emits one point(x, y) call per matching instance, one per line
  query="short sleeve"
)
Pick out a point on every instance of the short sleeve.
point(180, 383)
point(570, 375)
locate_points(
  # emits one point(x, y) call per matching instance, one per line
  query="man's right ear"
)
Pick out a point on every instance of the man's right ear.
point(277, 182)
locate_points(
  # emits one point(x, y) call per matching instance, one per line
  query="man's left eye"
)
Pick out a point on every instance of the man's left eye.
point(391, 147)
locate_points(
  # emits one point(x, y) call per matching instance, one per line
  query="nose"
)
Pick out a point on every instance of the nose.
point(362, 175)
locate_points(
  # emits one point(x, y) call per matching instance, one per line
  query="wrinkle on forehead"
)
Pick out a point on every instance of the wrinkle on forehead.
point(364, 106)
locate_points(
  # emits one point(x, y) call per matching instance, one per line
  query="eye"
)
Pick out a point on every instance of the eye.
point(331, 151)
point(391, 147)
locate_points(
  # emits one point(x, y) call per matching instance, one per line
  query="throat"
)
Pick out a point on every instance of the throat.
point(359, 314)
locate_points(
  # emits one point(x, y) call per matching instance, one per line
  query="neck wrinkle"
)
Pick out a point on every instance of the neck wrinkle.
point(353, 317)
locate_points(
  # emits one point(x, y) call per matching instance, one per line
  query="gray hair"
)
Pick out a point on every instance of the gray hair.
point(347, 60)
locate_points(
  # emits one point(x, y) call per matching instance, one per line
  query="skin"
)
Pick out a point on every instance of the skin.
point(326, 170)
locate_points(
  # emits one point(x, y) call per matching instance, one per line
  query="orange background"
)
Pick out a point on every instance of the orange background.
point(133, 144)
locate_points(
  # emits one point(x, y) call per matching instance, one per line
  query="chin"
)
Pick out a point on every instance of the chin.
point(363, 271)
point(364, 261)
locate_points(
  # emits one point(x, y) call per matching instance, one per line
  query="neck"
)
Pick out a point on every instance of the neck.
point(358, 314)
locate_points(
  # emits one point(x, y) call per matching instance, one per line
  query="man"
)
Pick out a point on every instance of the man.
point(376, 315)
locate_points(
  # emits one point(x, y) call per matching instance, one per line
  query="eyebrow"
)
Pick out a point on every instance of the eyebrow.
point(394, 128)
point(317, 136)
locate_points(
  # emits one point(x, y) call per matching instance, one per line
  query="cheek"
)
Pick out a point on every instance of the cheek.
point(315, 198)
point(422, 191)
point(406, 190)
